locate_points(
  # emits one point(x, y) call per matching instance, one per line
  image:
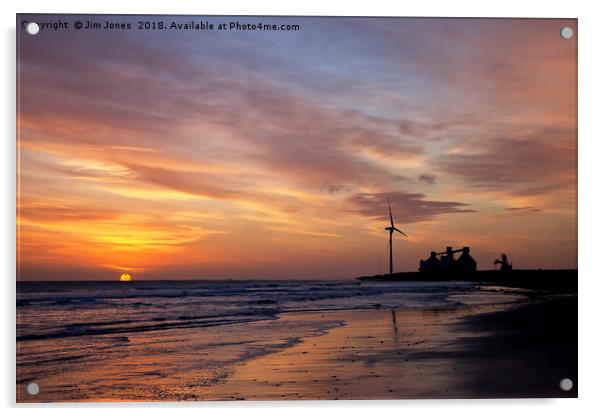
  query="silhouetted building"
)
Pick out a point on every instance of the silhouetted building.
point(465, 263)
point(447, 263)
point(447, 260)
point(431, 264)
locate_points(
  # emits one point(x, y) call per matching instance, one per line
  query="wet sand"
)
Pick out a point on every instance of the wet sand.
point(395, 354)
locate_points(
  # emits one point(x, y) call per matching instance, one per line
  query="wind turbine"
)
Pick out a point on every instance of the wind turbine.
point(391, 230)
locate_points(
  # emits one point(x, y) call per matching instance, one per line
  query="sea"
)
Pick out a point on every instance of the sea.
point(102, 340)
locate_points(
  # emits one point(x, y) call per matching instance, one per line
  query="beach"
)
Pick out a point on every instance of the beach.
point(436, 340)
point(393, 354)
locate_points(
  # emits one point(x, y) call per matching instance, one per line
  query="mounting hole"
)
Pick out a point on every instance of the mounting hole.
point(33, 389)
point(566, 32)
point(32, 28)
point(566, 384)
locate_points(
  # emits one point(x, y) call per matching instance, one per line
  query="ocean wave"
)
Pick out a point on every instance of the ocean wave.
point(101, 308)
point(119, 326)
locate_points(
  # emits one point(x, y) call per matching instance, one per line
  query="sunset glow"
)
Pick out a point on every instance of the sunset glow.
point(270, 155)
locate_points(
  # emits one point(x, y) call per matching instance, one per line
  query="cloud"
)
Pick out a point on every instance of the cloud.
point(537, 163)
point(406, 207)
point(427, 178)
point(200, 112)
point(529, 209)
point(49, 212)
point(510, 212)
point(190, 182)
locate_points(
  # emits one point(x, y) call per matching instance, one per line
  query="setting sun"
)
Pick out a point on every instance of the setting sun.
point(125, 277)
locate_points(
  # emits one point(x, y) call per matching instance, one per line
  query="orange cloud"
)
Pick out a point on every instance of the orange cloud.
point(222, 158)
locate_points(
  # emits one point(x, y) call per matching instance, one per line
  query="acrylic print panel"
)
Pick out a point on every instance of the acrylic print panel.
point(268, 208)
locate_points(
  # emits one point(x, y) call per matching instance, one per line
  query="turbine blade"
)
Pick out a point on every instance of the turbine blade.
point(399, 231)
point(390, 214)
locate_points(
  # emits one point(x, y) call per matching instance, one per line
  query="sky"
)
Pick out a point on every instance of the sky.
point(182, 154)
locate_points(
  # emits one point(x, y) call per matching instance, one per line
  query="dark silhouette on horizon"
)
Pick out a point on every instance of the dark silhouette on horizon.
point(503, 262)
point(391, 230)
point(447, 263)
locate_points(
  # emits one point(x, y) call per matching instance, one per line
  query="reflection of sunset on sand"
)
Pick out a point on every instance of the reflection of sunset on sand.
point(369, 358)
point(366, 358)
point(393, 354)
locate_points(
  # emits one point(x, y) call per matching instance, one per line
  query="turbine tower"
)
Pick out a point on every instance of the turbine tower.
point(391, 230)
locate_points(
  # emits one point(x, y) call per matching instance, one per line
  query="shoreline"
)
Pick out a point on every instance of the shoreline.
point(559, 280)
point(450, 353)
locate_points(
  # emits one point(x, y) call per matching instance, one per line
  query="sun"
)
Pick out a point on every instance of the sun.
point(125, 277)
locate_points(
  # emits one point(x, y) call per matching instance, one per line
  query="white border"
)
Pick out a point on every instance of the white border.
point(590, 207)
